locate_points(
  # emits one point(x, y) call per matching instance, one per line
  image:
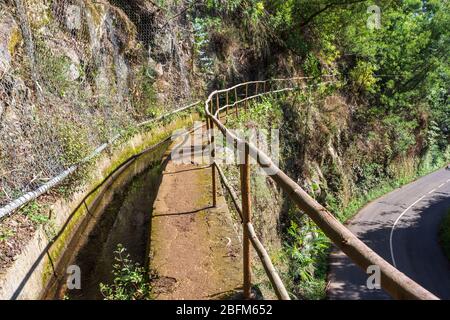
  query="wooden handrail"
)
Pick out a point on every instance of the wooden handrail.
point(396, 283)
point(233, 195)
point(271, 272)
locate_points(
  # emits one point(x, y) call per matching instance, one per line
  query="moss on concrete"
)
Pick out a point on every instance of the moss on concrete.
point(148, 139)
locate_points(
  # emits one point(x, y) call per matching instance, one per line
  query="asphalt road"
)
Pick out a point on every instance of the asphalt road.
point(402, 227)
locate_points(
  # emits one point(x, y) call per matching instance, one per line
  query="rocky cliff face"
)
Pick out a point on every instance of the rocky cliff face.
point(87, 70)
point(73, 73)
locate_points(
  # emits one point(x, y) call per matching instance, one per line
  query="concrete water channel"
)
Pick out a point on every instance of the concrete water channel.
point(120, 214)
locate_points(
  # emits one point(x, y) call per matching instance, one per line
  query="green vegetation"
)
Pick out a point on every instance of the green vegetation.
point(264, 113)
point(202, 27)
point(144, 94)
point(36, 212)
point(5, 233)
point(398, 72)
point(343, 182)
point(385, 122)
point(130, 279)
point(55, 70)
point(306, 248)
point(444, 234)
point(74, 143)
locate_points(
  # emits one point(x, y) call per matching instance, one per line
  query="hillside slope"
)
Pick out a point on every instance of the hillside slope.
point(74, 73)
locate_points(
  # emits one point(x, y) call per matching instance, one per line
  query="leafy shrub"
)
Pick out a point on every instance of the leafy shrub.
point(130, 279)
point(401, 133)
point(307, 249)
point(265, 114)
point(203, 28)
point(363, 76)
point(225, 6)
point(144, 96)
point(311, 66)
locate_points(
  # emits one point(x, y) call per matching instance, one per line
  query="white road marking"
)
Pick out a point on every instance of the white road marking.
point(393, 228)
point(400, 216)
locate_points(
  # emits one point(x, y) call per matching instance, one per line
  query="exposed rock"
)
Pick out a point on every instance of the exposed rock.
point(10, 37)
point(159, 70)
point(73, 73)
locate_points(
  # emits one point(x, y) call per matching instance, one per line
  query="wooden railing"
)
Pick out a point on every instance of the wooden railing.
point(397, 284)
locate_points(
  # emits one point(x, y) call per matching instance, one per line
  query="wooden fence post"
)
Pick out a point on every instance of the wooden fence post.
point(227, 102)
point(213, 158)
point(237, 99)
point(246, 95)
point(207, 128)
point(246, 213)
point(218, 106)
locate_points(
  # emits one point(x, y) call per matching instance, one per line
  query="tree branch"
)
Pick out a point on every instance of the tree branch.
point(327, 6)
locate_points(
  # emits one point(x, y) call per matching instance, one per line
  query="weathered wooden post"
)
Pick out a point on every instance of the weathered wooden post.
point(246, 213)
point(246, 95)
point(227, 102)
point(256, 90)
point(218, 106)
point(207, 127)
point(213, 158)
point(237, 99)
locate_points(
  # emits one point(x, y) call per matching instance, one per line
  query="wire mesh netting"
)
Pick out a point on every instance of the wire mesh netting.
point(74, 73)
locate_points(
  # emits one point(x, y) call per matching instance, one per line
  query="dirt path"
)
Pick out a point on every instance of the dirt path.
point(195, 250)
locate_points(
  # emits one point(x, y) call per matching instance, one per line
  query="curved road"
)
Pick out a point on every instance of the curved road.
point(402, 227)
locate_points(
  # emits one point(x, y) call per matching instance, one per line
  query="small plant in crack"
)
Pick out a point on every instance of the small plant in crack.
point(130, 279)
